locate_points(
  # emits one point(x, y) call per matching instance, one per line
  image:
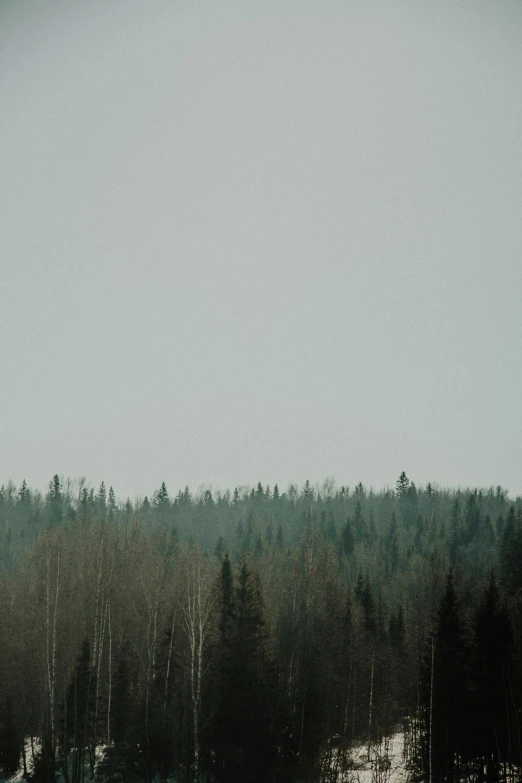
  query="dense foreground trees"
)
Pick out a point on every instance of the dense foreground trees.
point(260, 635)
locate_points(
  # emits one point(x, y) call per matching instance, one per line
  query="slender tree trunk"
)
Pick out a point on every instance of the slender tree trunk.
point(196, 613)
point(371, 707)
point(75, 769)
point(103, 624)
point(347, 704)
point(353, 701)
point(51, 643)
point(65, 738)
point(517, 722)
point(110, 682)
point(97, 606)
point(430, 749)
point(302, 723)
point(508, 722)
point(24, 759)
point(169, 658)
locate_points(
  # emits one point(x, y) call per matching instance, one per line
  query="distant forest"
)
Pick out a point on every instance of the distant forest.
point(260, 634)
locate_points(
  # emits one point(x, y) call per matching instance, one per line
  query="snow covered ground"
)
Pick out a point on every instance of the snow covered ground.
point(386, 763)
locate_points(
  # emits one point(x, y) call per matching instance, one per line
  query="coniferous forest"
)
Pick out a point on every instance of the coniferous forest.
point(261, 634)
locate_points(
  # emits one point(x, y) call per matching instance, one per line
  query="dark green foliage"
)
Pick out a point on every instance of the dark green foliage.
point(494, 721)
point(55, 501)
point(244, 748)
point(510, 554)
point(319, 630)
point(448, 702)
point(78, 730)
point(347, 538)
point(402, 485)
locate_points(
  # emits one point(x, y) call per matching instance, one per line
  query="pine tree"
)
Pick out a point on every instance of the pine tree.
point(391, 545)
point(246, 748)
point(23, 493)
point(331, 528)
point(509, 555)
point(401, 485)
point(54, 500)
point(162, 499)
point(111, 503)
point(491, 678)
point(359, 522)
point(101, 499)
point(446, 692)
point(347, 538)
point(472, 519)
point(258, 549)
point(78, 730)
point(222, 729)
point(455, 531)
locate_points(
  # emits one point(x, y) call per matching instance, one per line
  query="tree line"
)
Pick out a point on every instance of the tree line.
point(259, 634)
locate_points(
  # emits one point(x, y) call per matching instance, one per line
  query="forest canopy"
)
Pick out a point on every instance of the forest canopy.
point(259, 634)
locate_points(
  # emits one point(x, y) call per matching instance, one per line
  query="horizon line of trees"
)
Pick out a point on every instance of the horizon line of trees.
point(260, 635)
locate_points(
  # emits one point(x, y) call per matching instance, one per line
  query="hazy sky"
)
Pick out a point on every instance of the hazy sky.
point(272, 241)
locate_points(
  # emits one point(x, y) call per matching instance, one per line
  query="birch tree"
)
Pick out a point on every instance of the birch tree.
point(197, 603)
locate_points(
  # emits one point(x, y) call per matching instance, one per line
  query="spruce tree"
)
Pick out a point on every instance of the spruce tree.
point(248, 746)
point(401, 485)
point(347, 538)
point(491, 681)
point(446, 692)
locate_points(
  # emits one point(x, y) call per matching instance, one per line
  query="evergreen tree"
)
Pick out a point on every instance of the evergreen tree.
point(101, 499)
point(54, 500)
point(491, 679)
point(331, 528)
point(78, 730)
point(347, 538)
point(401, 486)
point(258, 549)
point(111, 503)
point(359, 522)
point(391, 545)
point(509, 555)
point(247, 747)
point(472, 520)
point(446, 692)
point(23, 493)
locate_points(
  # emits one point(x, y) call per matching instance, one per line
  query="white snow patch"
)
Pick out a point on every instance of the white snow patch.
point(386, 763)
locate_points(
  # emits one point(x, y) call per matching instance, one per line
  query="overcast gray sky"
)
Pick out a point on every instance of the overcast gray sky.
point(272, 241)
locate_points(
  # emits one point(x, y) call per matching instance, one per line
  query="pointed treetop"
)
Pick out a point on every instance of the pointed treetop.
point(402, 484)
point(162, 495)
